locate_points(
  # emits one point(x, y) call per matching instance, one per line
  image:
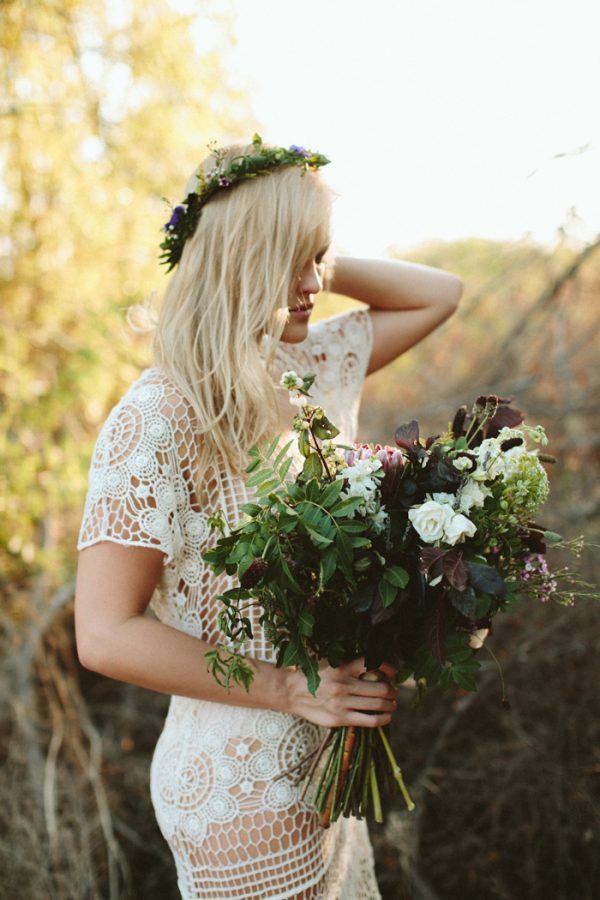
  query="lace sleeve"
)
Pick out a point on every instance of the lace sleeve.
point(341, 347)
point(131, 496)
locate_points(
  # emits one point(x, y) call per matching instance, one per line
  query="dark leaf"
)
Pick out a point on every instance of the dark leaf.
point(464, 601)
point(407, 435)
point(431, 561)
point(458, 422)
point(455, 570)
point(506, 417)
point(486, 579)
point(381, 613)
point(435, 633)
point(362, 598)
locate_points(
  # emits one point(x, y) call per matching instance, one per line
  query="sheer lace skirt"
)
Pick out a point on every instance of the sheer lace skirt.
point(230, 809)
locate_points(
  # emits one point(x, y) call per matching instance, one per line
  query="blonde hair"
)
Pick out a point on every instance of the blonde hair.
point(231, 287)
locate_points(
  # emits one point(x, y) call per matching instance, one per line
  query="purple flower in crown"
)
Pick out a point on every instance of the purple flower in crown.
point(300, 151)
point(224, 181)
point(175, 219)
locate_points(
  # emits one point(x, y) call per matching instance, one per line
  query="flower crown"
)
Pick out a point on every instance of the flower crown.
point(261, 161)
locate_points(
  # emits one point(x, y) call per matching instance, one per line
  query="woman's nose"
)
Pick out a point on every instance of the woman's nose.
point(311, 281)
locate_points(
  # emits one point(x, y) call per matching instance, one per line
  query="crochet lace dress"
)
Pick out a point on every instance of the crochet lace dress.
point(236, 828)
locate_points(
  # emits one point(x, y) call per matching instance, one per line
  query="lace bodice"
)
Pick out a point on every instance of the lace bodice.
point(233, 818)
point(141, 488)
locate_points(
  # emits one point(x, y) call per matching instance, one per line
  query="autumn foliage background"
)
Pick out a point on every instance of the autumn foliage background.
point(102, 115)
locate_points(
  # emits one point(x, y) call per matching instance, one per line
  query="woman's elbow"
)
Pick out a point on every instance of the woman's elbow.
point(92, 648)
point(454, 291)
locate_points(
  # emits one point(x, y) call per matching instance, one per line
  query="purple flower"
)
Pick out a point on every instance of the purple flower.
point(175, 219)
point(301, 151)
point(224, 181)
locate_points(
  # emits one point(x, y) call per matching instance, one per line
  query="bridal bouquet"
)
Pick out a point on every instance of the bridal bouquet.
point(400, 554)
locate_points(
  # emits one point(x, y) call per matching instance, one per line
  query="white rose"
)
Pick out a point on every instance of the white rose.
point(472, 494)
point(429, 520)
point(458, 528)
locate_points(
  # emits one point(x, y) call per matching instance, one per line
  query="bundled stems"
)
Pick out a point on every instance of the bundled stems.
point(360, 761)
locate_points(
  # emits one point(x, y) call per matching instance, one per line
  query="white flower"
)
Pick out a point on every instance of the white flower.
point(472, 494)
point(298, 400)
point(512, 460)
point(476, 638)
point(291, 380)
point(429, 520)
point(444, 498)
point(457, 529)
point(379, 520)
point(490, 463)
point(462, 462)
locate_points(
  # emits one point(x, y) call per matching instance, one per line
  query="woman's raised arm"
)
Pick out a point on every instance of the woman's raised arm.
point(407, 300)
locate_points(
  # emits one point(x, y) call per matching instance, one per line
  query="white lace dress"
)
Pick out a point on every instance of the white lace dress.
point(235, 828)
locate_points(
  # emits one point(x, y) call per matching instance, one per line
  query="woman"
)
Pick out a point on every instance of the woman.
point(249, 242)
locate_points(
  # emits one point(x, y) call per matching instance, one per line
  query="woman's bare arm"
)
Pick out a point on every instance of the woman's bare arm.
point(114, 586)
point(407, 300)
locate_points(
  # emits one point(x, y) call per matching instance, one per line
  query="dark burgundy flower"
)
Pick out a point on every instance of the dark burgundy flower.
point(255, 571)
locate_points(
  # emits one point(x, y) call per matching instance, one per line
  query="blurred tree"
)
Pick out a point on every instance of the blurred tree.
point(105, 109)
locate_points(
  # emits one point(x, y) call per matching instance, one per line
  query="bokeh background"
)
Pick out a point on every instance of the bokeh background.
point(464, 135)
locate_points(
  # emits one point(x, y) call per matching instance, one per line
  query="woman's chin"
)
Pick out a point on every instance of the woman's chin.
point(295, 332)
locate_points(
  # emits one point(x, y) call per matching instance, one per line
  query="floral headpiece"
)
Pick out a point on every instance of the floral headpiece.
point(261, 161)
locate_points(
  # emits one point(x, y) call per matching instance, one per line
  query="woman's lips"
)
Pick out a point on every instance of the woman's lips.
point(301, 312)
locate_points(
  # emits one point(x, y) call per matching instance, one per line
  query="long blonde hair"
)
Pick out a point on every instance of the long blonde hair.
point(231, 287)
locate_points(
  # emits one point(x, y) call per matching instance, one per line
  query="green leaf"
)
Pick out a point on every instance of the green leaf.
point(313, 680)
point(306, 623)
point(327, 566)
point(284, 468)
point(253, 465)
point(397, 576)
point(282, 453)
point(292, 654)
point(304, 443)
point(464, 680)
point(387, 592)
point(272, 446)
point(331, 493)
point(460, 443)
point(319, 540)
point(259, 477)
point(251, 509)
point(266, 487)
point(359, 541)
point(346, 506)
point(313, 467)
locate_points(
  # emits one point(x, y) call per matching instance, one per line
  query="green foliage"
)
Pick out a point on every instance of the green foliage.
point(106, 111)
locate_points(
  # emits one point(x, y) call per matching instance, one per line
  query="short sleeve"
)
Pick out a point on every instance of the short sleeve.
point(341, 348)
point(131, 496)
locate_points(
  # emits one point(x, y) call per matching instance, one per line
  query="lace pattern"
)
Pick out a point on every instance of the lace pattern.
point(233, 820)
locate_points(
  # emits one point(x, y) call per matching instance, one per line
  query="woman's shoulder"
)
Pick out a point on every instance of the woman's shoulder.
point(155, 393)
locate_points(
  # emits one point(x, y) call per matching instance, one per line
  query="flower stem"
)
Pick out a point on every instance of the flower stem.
point(396, 770)
point(377, 811)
